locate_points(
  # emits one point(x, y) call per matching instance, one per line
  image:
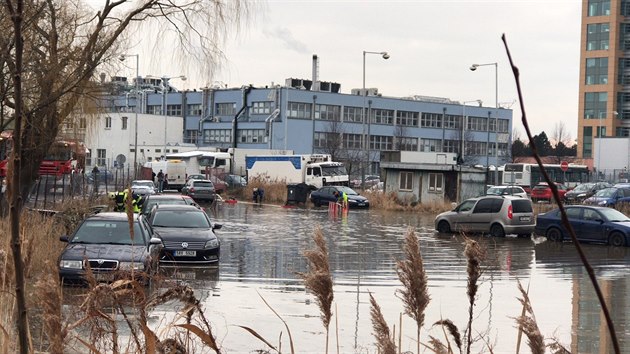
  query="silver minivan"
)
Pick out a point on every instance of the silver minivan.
point(496, 215)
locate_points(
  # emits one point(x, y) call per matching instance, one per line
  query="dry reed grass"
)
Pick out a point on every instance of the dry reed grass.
point(527, 324)
point(319, 279)
point(414, 293)
point(391, 201)
point(475, 256)
point(384, 342)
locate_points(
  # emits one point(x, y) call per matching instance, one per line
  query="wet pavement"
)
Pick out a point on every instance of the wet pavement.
point(261, 251)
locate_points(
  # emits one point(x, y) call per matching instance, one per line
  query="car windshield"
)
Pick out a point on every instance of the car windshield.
point(347, 190)
point(181, 218)
point(495, 191)
point(584, 187)
point(147, 184)
point(613, 215)
point(606, 193)
point(332, 170)
point(108, 232)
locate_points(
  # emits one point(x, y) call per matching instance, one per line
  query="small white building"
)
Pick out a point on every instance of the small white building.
point(110, 137)
point(613, 160)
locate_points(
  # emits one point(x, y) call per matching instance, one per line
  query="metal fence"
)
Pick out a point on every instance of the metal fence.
point(49, 190)
point(612, 176)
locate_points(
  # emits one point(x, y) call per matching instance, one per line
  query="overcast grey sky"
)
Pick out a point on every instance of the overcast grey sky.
point(432, 45)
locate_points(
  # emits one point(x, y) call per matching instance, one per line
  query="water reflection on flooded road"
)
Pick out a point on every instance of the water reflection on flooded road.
point(261, 251)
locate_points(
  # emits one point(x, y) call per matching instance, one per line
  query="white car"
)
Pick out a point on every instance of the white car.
point(143, 187)
point(507, 190)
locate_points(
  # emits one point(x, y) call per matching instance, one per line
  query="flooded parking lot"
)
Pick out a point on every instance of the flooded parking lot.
point(261, 251)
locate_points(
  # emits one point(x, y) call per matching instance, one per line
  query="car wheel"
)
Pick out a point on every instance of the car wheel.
point(617, 240)
point(443, 227)
point(554, 235)
point(497, 231)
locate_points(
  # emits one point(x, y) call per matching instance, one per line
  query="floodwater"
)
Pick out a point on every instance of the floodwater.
point(261, 251)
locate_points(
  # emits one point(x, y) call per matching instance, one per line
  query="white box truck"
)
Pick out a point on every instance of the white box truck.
point(317, 170)
point(175, 171)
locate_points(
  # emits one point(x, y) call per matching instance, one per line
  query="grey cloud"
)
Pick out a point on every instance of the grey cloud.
point(287, 39)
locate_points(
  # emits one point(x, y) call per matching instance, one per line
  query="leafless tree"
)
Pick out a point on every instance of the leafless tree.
point(49, 53)
point(332, 143)
point(469, 157)
point(561, 134)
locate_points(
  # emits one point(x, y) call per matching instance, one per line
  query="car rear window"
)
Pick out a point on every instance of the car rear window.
point(521, 206)
point(540, 188)
point(203, 184)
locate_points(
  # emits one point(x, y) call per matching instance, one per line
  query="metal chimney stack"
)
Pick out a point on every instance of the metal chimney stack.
point(315, 73)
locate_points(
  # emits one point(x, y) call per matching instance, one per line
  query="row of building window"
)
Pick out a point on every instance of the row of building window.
point(324, 140)
point(301, 110)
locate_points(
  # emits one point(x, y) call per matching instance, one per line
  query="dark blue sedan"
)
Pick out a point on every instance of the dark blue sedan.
point(591, 224)
point(610, 197)
point(327, 194)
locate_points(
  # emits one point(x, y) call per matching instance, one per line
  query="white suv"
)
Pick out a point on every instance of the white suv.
point(497, 215)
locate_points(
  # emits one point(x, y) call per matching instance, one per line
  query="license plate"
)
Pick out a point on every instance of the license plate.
point(361, 204)
point(103, 276)
point(181, 275)
point(185, 253)
point(525, 218)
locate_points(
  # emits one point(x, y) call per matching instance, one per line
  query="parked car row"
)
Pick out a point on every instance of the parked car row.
point(171, 229)
point(502, 215)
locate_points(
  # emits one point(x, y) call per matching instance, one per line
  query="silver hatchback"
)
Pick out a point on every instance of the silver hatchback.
point(496, 215)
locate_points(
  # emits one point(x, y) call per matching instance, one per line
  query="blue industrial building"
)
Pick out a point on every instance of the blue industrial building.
point(316, 117)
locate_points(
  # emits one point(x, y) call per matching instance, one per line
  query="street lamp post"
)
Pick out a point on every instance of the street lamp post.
point(496, 105)
point(165, 87)
point(136, 109)
point(366, 142)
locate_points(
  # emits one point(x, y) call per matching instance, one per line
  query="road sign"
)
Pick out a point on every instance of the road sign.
point(564, 166)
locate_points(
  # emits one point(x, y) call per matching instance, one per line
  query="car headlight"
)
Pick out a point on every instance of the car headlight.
point(603, 202)
point(212, 244)
point(581, 195)
point(71, 264)
point(130, 266)
point(352, 201)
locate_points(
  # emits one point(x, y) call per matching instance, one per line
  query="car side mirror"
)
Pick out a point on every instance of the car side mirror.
point(64, 238)
point(217, 226)
point(600, 221)
point(155, 241)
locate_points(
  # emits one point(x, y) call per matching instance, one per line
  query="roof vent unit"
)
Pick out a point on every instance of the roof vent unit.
point(299, 83)
point(370, 91)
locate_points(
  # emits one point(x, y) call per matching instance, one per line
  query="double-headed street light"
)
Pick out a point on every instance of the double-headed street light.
point(136, 108)
point(165, 89)
point(366, 142)
point(496, 105)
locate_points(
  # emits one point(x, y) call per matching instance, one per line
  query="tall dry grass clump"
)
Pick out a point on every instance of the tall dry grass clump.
point(475, 255)
point(414, 293)
point(384, 340)
point(49, 299)
point(392, 201)
point(318, 279)
point(275, 190)
point(528, 325)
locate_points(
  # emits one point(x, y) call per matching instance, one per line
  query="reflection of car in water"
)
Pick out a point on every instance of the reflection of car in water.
point(559, 256)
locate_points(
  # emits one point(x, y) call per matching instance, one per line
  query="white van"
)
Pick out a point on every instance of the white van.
point(175, 171)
